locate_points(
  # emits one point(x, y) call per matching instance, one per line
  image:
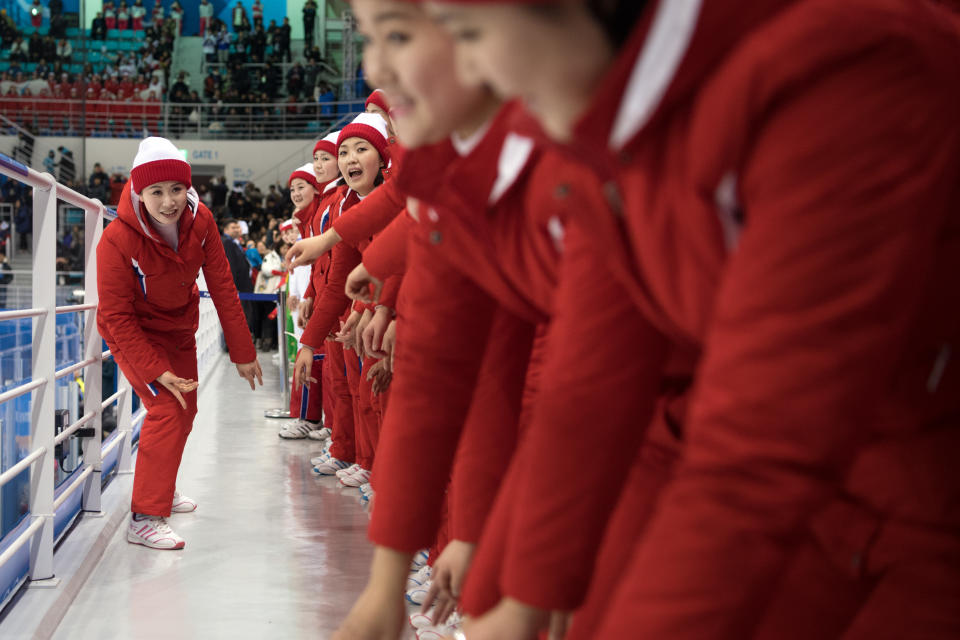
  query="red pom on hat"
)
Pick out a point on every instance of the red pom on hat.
point(158, 160)
point(306, 173)
point(378, 98)
point(328, 144)
point(372, 128)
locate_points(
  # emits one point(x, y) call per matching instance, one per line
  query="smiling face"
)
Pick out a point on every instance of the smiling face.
point(410, 58)
point(525, 52)
point(165, 201)
point(301, 193)
point(325, 167)
point(359, 164)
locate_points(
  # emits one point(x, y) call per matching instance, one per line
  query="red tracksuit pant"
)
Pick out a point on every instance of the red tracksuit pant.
point(368, 427)
point(344, 437)
point(309, 406)
point(363, 413)
point(166, 426)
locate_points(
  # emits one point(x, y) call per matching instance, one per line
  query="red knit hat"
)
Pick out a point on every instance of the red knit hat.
point(286, 224)
point(372, 128)
point(378, 98)
point(328, 144)
point(306, 173)
point(158, 160)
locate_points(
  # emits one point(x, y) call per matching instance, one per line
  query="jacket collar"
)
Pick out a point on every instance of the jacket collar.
point(673, 50)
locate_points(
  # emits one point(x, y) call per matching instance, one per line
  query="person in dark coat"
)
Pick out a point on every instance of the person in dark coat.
point(239, 267)
point(23, 220)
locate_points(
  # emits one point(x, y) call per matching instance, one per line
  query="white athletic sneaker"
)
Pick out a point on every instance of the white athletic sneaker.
point(320, 459)
point(420, 559)
point(421, 620)
point(349, 471)
point(330, 467)
point(356, 479)
point(319, 434)
point(183, 504)
point(296, 430)
point(418, 594)
point(418, 578)
point(153, 532)
point(440, 630)
point(366, 489)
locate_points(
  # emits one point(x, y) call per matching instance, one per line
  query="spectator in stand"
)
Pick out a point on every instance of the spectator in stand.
point(239, 18)
point(98, 172)
point(206, 15)
point(158, 15)
point(110, 15)
point(36, 14)
point(123, 16)
point(35, 47)
point(295, 81)
point(218, 188)
point(210, 48)
point(176, 14)
point(257, 12)
point(137, 14)
point(6, 277)
point(223, 45)
point(100, 190)
point(282, 44)
point(180, 92)
point(258, 44)
point(20, 50)
point(8, 29)
point(309, 18)
point(116, 188)
point(50, 163)
point(98, 28)
point(23, 222)
point(64, 52)
point(211, 84)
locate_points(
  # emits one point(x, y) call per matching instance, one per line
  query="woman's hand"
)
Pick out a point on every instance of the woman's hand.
point(306, 251)
point(346, 335)
point(447, 577)
point(302, 367)
point(381, 376)
point(177, 386)
point(358, 285)
point(389, 343)
point(251, 371)
point(373, 334)
point(306, 310)
point(358, 333)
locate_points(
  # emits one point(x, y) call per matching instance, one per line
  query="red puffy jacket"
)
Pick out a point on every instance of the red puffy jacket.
point(146, 287)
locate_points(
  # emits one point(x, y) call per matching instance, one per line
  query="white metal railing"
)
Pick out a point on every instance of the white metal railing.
point(126, 118)
point(43, 438)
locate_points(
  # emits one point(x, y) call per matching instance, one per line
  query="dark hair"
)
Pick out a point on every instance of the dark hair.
point(617, 18)
point(228, 222)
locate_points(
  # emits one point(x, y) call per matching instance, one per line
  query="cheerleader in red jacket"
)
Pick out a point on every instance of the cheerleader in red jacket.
point(363, 151)
point(783, 174)
point(147, 266)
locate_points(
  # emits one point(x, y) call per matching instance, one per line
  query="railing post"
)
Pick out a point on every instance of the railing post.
point(43, 365)
point(125, 425)
point(92, 348)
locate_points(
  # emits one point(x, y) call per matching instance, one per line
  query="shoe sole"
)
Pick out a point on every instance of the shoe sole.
point(292, 437)
point(143, 543)
point(190, 510)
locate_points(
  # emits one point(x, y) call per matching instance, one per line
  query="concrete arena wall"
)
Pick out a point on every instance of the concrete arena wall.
point(241, 160)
